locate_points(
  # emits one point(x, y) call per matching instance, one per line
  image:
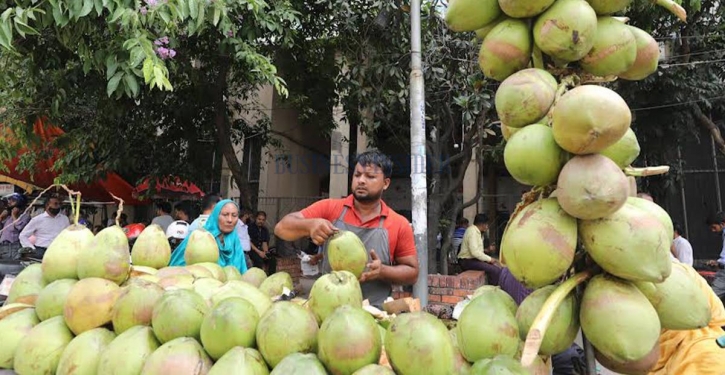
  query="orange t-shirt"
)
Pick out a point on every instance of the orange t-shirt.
point(400, 233)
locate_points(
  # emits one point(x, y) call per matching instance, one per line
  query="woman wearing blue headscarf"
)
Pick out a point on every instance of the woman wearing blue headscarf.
point(222, 225)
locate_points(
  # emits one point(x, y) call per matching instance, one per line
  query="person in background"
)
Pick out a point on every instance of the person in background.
point(207, 206)
point(458, 233)
point(122, 220)
point(681, 248)
point(176, 233)
point(243, 232)
point(44, 227)
point(472, 254)
point(12, 221)
point(717, 225)
point(222, 224)
point(259, 237)
point(182, 212)
point(163, 215)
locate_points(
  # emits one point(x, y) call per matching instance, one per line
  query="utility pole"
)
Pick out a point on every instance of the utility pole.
point(418, 155)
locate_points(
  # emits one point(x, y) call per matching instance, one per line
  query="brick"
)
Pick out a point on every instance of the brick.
point(434, 298)
point(450, 281)
point(440, 291)
point(451, 299)
point(433, 280)
point(462, 292)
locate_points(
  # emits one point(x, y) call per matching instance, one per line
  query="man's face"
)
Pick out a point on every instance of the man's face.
point(261, 219)
point(54, 206)
point(12, 202)
point(368, 183)
point(245, 218)
point(715, 228)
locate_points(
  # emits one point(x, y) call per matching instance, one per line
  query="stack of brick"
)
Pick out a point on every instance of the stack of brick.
point(448, 289)
point(292, 266)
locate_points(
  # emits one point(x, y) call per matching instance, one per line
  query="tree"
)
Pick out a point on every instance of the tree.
point(85, 64)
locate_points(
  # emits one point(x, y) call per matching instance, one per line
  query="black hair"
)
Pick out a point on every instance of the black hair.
point(717, 218)
point(463, 221)
point(164, 206)
point(260, 213)
point(210, 201)
point(376, 158)
point(677, 228)
point(183, 207)
point(480, 219)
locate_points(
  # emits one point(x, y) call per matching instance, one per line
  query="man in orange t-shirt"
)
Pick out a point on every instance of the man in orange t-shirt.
point(387, 235)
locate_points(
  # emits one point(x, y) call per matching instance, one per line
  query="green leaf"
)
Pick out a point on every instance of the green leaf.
point(6, 14)
point(113, 83)
point(158, 76)
point(131, 83)
point(111, 66)
point(137, 56)
point(6, 34)
point(193, 9)
point(99, 6)
point(217, 15)
point(24, 28)
point(201, 15)
point(117, 14)
point(148, 69)
point(87, 8)
point(164, 14)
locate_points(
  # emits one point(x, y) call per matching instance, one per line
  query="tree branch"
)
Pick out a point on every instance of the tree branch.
point(479, 190)
point(710, 126)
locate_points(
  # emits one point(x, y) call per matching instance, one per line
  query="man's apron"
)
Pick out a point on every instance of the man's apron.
point(375, 291)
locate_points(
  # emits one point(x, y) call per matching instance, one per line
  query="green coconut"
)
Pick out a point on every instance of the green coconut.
point(499, 365)
point(275, 284)
point(564, 324)
point(348, 340)
point(83, 353)
point(233, 322)
point(178, 313)
point(625, 330)
point(374, 370)
point(499, 293)
point(483, 32)
point(506, 49)
point(507, 132)
point(657, 211)
point(299, 364)
point(232, 273)
point(39, 352)
point(206, 288)
point(566, 31)
point(135, 305)
point(624, 151)
point(52, 298)
point(525, 97)
point(108, 256)
point(641, 366)
point(532, 156)
point(606, 7)
point(461, 366)
point(591, 187)
point(286, 319)
point(539, 244)
point(234, 288)
point(201, 247)
point(217, 272)
point(152, 248)
point(60, 260)
point(590, 118)
point(89, 304)
point(524, 8)
point(177, 281)
point(614, 50)
point(242, 361)
point(470, 15)
point(199, 271)
point(648, 56)
point(679, 301)
point(254, 276)
point(631, 244)
point(414, 333)
point(333, 290)
point(180, 356)
point(127, 353)
point(499, 335)
point(27, 285)
point(346, 252)
point(15, 327)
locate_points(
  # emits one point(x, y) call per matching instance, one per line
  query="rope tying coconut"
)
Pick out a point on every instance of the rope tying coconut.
point(120, 209)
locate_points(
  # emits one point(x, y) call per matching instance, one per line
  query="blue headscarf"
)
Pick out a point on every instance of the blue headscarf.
point(231, 252)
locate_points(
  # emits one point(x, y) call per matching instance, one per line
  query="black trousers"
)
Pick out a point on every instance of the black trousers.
point(259, 262)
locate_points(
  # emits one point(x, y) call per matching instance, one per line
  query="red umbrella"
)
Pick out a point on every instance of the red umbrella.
point(170, 187)
point(43, 175)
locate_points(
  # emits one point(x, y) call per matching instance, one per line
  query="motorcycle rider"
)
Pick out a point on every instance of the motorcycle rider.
point(176, 233)
point(12, 222)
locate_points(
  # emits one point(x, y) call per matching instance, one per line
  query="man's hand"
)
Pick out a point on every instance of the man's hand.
point(712, 263)
point(321, 230)
point(315, 259)
point(374, 268)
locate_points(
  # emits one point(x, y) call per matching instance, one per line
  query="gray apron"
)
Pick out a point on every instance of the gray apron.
point(375, 291)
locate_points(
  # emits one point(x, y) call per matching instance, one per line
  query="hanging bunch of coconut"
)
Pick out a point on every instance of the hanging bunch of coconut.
point(570, 138)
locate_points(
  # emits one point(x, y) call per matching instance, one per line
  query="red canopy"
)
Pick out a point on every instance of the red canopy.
point(171, 186)
point(44, 176)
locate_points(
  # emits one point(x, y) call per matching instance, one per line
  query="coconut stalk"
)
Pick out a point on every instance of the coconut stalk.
point(120, 209)
point(673, 8)
point(543, 319)
point(646, 171)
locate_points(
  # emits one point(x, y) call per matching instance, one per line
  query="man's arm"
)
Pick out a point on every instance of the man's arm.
point(404, 272)
point(475, 246)
point(264, 233)
point(25, 234)
point(295, 226)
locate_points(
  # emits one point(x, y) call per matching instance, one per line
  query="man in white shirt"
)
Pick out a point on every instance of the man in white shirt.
point(243, 233)
point(717, 225)
point(207, 206)
point(681, 247)
point(45, 227)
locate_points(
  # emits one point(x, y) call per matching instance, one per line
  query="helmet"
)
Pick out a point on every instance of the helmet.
point(177, 230)
point(18, 198)
point(133, 230)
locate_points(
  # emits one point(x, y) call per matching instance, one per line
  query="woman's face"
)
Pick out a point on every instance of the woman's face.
point(228, 218)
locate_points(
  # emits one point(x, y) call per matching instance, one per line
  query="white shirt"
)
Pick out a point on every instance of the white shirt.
point(243, 233)
point(163, 221)
point(683, 249)
point(45, 228)
point(199, 222)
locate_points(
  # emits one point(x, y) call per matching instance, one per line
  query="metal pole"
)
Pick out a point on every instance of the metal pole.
point(717, 175)
point(589, 355)
point(682, 191)
point(418, 155)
